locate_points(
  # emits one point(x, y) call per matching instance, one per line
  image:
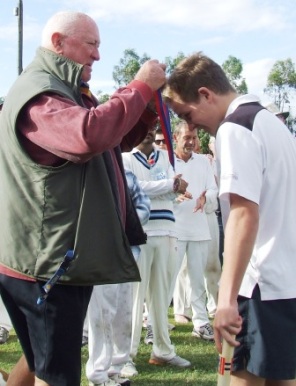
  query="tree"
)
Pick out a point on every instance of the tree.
point(281, 82)
point(171, 63)
point(233, 68)
point(128, 66)
point(204, 139)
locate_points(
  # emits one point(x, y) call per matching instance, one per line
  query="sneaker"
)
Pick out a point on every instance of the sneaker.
point(110, 382)
point(4, 335)
point(182, 319)
point(149, 336)
point(129, 370)
point(171, 326)
point(175, 361)
point(205, 332)
point(121, 381)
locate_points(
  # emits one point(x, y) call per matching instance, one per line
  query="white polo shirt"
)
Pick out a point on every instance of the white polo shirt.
point(260, 165)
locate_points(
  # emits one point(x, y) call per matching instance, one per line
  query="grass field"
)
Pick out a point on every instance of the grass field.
point(202, 355)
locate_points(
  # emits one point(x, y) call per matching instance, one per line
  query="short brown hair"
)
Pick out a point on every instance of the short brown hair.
point(194, 72)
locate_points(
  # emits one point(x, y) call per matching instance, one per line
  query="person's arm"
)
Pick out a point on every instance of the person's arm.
point(61, 127)
point(240, 235)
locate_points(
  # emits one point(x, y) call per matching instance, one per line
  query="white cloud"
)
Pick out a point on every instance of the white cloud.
point(256, 74)
point(231, 15)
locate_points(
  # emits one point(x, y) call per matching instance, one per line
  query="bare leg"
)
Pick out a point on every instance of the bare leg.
point(21, 375)
point(244, 378)
point(291, 382)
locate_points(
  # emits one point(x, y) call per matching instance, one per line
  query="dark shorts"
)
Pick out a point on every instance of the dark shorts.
point(51, 333)
point(268, 338)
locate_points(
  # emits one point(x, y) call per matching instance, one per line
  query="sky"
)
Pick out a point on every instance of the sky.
point(258, 32)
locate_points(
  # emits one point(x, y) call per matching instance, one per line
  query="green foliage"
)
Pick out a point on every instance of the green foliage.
point(281, 82)
point(233, 68)
point(204, 139)
point(171, 63)
point(102, 98)
point(128, 66)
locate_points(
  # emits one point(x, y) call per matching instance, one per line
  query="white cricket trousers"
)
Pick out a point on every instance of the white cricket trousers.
point(109, 330)
point(213, 267)
point(157, 265)
point(197, 254)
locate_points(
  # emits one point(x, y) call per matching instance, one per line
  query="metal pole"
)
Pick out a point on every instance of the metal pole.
point(18, 11)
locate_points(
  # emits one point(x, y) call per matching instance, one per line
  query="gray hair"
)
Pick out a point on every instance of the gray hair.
point(64, 22)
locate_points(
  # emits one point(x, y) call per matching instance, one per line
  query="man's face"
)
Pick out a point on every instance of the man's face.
point(160, 141)
point(186, 141)
point(83, 47)
point(150, 137)
point(201, 114)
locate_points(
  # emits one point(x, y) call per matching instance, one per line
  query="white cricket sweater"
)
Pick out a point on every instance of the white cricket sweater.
point(156, 178)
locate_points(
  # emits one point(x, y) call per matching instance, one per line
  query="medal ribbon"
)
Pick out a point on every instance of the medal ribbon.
point(164, 117)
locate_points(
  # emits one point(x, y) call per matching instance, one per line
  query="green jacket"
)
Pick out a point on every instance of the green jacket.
point(47, 210)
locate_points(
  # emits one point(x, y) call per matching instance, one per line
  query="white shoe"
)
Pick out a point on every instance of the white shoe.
point(129, 370)
point(205, 332)
point(149, 336)
point(175, 361)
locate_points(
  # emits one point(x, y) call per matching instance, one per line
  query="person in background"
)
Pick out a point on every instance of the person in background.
point(110, 314)
point(157, 261)
point(62, 179)
point(160, 142)
point(192, 226)
point(256, 310)
point(282, 115)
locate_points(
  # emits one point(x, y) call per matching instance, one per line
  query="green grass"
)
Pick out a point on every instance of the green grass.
point(202, 355)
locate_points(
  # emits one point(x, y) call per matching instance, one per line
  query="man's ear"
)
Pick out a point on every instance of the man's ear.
point(205, 92)
point(57, 42)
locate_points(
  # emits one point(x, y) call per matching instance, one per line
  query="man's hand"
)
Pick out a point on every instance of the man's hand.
point(180, 185)
point(152, 73)
point(227, 324)
point(200, 202)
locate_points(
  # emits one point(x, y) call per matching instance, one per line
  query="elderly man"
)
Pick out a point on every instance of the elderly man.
point(63, 192)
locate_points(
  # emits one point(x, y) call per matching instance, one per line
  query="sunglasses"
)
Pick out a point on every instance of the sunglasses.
point(160, 141)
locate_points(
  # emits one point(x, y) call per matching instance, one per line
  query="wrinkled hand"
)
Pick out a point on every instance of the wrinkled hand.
point(200, 202)
point(152, 73)
point(227, 324)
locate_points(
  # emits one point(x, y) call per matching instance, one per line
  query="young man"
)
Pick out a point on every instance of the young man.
point(157, 260)
point(257, 296)
point(64, 192)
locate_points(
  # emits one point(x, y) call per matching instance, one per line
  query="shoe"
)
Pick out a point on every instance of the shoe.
point(175, 361)
point(4, 335)
point(182, 319)
point(129, 370)
point(149, 336)
point(205, 332)
point(171, 326)
point(121, 381)
point(110, 382)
